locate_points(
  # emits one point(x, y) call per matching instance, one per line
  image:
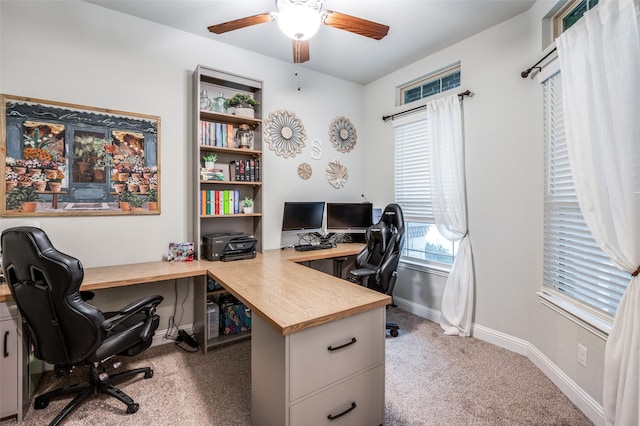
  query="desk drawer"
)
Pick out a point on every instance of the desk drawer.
point(360, 399)
point(313, 365)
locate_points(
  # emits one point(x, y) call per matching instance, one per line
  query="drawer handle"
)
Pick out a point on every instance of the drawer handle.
point(331, 418)
point(6, 337)
point(331, 348)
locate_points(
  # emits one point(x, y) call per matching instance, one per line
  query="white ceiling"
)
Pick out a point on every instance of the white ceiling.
point(418, 28)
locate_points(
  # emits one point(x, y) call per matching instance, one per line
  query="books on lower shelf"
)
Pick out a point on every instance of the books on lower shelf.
point(245, 170)
point(219, 202)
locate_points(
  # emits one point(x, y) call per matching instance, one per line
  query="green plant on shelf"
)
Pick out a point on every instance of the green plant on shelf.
point(210, 157)
point(247, 202)
point(242, 100)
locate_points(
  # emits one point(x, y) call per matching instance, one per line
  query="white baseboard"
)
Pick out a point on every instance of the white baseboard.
point(585, 403)
point(417, 309)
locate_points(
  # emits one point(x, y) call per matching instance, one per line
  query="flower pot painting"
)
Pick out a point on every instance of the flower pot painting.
point(40, 186)
point(55, 186)
point(80, 160)
point(29, 206)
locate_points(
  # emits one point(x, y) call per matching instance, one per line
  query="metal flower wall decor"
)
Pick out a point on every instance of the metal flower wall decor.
point(284, 133)
point(304, 171)
point(337, 174)
point(342, 134)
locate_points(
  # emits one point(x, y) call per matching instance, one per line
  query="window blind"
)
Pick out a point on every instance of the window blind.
point(412, 181)
point(574, 266)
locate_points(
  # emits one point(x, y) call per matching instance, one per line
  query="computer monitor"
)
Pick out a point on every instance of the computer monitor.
point(303, 217)
point(351, 218)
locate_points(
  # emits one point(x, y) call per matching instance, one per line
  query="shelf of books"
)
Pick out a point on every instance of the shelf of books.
point(227, 157)
point(227, 177)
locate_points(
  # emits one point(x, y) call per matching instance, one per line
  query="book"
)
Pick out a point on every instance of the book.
point(218, 133)
point(226, 202)
point(230, 136)
point(232, 201)
point(236, 198)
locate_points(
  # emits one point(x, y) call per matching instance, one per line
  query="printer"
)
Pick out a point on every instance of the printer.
point(228, 246)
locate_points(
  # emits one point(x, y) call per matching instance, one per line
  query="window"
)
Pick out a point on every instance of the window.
point(430, 85)
point(423, 242)
point(575, 269)
point(569, 14)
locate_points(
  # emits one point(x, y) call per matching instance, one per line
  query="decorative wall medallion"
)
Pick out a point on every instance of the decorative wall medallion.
point(337, 174)
point(284, 133)
point(304, 171)
point(342, 134)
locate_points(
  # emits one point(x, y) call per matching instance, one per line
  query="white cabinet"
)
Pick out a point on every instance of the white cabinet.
point(8, 361)
point(331, 373)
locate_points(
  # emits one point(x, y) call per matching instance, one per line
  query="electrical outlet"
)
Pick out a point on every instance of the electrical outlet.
point(582, 355)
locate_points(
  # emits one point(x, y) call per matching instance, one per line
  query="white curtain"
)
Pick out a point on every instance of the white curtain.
point(448, 189)
point(600, 65)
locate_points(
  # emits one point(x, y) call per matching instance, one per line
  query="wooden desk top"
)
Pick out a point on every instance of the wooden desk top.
point(289, 296)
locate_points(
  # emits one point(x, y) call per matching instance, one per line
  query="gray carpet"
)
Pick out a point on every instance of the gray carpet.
point(431, 379)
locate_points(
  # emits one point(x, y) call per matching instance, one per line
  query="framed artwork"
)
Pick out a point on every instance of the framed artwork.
point(68, 160)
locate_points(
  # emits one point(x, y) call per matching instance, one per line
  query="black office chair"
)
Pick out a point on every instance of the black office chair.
point(65, 330)
point(377, 264)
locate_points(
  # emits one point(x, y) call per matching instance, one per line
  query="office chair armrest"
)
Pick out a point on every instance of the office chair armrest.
point(146, 304)
point(362, 272)
point(141, 303)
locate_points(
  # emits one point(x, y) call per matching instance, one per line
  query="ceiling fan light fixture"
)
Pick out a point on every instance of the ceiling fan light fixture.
point(298, 21)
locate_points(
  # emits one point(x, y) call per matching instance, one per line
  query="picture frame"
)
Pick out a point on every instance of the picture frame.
point(62, 159)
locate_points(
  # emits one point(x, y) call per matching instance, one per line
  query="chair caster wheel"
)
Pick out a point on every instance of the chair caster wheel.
point(394, 333)
point(132, 408)
point(40, 404)
point(148, 374)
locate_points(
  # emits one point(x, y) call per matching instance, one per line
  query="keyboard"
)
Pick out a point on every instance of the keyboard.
point(308, 247)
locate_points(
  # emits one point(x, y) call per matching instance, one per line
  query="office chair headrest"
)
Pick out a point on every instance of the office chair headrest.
point(392, 216)
point(27, 249)
point(380, 234)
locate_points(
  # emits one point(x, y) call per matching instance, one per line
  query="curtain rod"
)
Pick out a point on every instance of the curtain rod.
point(525, 73)
point(385, 118)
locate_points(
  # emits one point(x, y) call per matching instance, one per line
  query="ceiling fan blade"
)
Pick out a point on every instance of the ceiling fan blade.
point(300, 51)
point(355, 25)
point(241, 23)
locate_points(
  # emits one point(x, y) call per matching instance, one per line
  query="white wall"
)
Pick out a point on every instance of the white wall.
point(75, 52)
point(504, 166)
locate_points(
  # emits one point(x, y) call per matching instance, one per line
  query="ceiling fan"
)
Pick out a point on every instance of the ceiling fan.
point(300, 19)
